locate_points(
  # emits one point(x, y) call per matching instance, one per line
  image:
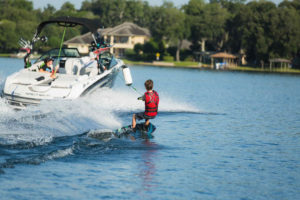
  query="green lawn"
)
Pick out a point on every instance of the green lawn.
point(4, 55)
point(176, 64)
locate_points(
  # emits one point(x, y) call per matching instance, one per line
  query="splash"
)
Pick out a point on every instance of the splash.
point(103, 109)
point(59, 154)
point(126, 101)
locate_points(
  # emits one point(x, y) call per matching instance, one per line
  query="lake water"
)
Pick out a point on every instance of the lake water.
point(220, 135)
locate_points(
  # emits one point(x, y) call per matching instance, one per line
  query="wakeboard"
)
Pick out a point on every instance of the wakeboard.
point(140, 132)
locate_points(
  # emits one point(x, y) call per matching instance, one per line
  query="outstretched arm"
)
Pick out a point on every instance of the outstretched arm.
point(53, 74)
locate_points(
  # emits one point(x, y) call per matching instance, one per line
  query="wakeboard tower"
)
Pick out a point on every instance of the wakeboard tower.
point(140, 132)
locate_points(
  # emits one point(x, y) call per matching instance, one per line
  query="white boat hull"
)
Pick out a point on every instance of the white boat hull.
point(77, 75)
point(23, 88)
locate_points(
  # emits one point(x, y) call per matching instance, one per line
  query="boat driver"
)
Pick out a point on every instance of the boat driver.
point(47, 66)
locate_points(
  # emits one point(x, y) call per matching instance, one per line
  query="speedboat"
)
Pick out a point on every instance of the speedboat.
point(76, 75)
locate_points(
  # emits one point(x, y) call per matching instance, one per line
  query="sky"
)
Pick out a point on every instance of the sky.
point(58, 3)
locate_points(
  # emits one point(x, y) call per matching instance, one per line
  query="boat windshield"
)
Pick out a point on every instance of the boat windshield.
point(65, 53)
point(105, 59)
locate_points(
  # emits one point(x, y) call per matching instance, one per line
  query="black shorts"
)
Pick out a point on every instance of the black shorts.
point(141, 115)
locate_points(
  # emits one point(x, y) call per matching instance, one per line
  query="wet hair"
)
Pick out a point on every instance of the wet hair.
point(47, 59)
point(149, 84)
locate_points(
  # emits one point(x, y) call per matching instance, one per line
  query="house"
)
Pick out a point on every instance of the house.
point(217, 60)
point(121, 37)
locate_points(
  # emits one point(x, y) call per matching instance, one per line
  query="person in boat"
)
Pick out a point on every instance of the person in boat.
point(47, 66)
point(101, 67)
point(151, 99)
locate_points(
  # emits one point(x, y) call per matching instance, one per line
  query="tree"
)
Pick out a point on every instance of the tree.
point(261, 29)
point(115, 12)
point(291, 4)
point(110, 12)
point(17, 18)
point(207, 23)
point(170, 24)
point(18, 4)
point(134, 12)
point(68, 6)
point(252, 30)
point(285, 32)
point(8, 39)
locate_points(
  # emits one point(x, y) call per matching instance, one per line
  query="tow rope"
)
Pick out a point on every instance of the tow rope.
point(130, 85)
point(59, 52)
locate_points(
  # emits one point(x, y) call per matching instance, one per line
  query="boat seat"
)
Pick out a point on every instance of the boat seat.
point(69, 68)
point(78, 65)
point(90, 68)
point(73, 66)
point(93, 71)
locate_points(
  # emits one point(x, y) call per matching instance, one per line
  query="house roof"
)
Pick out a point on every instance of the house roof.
point(223, 55)
point(280, 60)
point(125, 29)
point(80, 39)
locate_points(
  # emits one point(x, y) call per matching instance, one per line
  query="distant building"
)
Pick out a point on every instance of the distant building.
point(121, 37)
point(280, 63)
point(223, 59)
point(217, 60)
point(81, 42)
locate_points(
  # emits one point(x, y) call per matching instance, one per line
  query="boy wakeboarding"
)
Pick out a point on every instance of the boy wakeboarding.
point(141, 130)
point(151, 99)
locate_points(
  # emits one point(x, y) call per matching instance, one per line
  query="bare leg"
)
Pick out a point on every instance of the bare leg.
point(147, 122)
point(133, 121)
point(133, 126)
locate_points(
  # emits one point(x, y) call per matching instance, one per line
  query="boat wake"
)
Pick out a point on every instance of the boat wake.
point(65, 147)
point(54, 129)
point(104, 109)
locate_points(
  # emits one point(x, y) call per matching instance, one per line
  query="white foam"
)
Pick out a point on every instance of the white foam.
point(168, 104)
point(2, 79)
point(126, 101)
point(60, 154)
point(39, 124)
point(29, 139)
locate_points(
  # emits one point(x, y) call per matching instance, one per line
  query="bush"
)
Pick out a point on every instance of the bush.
point(146, 52)
point(171, 51)
point(138, 48)
point(189, 59)
point(130, 54)
point(150, 47)
point(168, 58)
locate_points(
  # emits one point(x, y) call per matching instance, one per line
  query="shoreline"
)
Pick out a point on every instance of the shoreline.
point(13, 55)
point(194, 65)
point(207, 67)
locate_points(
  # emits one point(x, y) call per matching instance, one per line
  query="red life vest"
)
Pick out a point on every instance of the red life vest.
point(151, 103)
